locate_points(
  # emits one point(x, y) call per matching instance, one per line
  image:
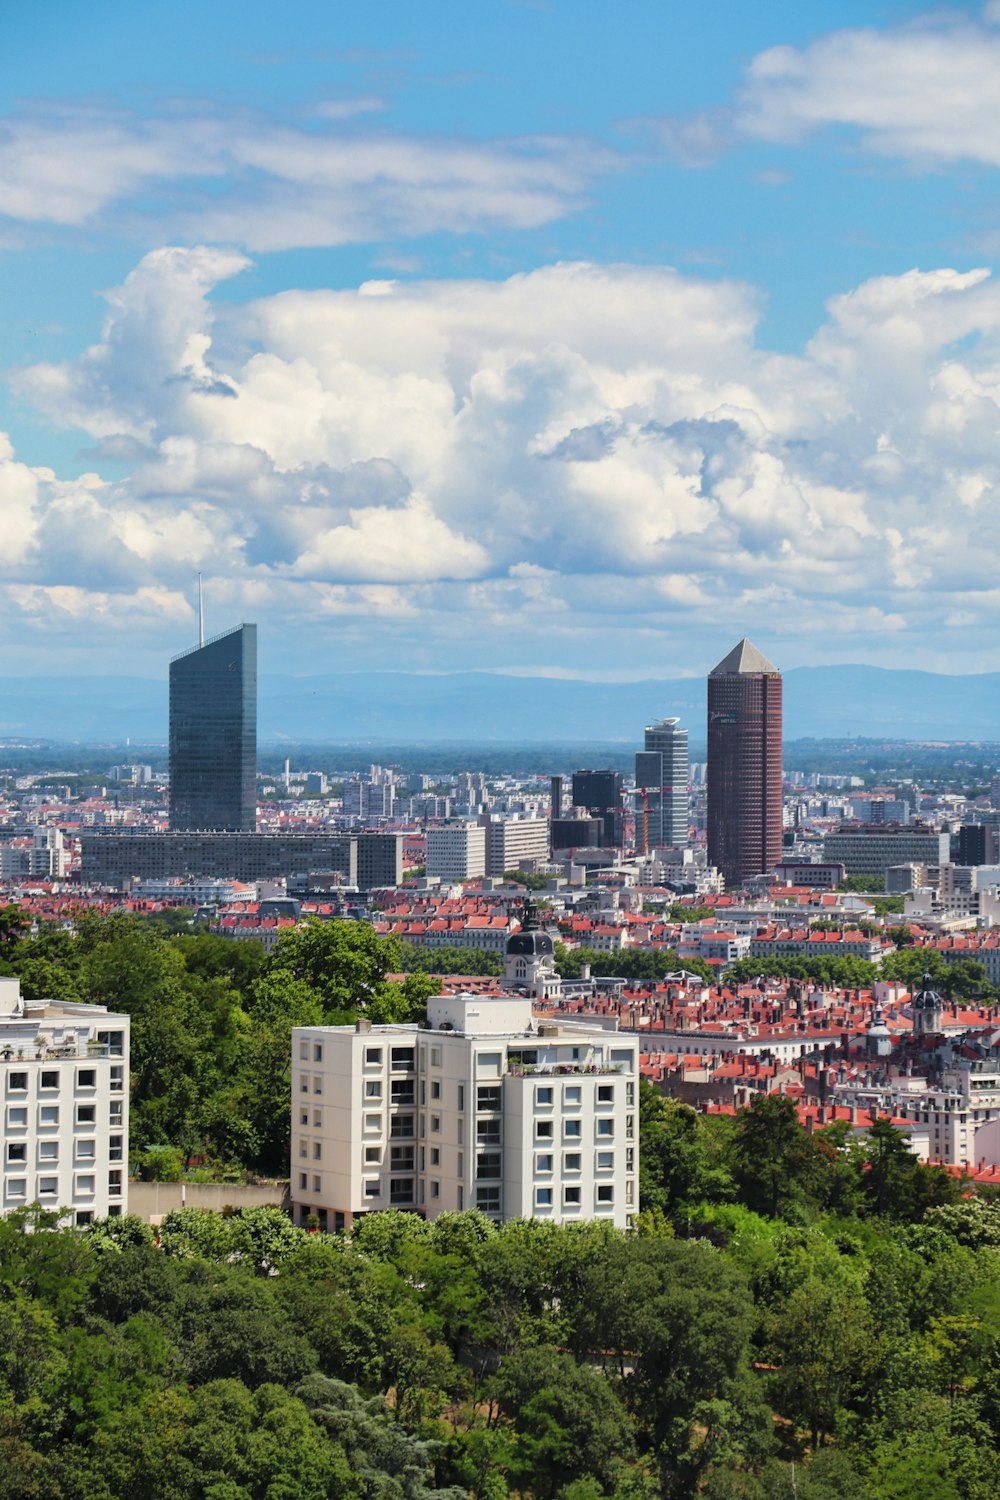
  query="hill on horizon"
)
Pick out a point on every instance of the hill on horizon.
point(820, 702)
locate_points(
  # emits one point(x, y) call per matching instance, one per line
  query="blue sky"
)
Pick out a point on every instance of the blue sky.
point(557, 336)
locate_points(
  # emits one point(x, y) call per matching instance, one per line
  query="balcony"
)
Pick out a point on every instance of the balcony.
point(560, 1070)
point(35, 1051)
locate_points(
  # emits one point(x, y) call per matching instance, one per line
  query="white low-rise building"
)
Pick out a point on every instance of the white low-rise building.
point(64, 1076)
point(484, 1107)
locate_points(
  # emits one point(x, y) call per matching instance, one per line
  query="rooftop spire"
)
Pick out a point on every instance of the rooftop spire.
point(744, 659)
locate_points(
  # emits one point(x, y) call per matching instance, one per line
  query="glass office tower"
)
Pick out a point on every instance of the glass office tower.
point(661, 778)
point(744, 764)
point(213, 734)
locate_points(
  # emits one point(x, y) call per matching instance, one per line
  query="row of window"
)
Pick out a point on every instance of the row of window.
point(50, 1079)
point(49, 1115)
point(16, 1153)
point(572, 1130)
point(47, 1188)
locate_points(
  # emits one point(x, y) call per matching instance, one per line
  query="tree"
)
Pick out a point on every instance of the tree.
point(770, 1154)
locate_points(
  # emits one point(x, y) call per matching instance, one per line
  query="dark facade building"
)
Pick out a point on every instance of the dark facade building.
point(973, 844)
point(213, 734)
point(661, 779)
point(380, 860)
point(111, 859)
point(744, 764)
point(576, 833)
point(600, 793)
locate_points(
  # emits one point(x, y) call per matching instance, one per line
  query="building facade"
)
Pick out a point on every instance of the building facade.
point(64, 1129)
point(482, 1108)
point(213, 734)
point(509, 840)
point(870, 848)
point(661, 779)
point(112, 859)
point(456, 850)
point(744, 765)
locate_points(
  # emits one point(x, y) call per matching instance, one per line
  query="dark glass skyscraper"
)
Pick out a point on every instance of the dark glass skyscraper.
point(213, 733)
point(661, 778)
point(744, 764)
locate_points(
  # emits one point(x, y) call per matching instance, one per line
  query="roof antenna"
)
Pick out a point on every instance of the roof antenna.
point(201, 616)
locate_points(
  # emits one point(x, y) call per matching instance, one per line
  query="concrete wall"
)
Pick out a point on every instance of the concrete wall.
point(151, 1200)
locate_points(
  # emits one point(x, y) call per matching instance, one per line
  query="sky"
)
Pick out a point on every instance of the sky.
point(562, 338)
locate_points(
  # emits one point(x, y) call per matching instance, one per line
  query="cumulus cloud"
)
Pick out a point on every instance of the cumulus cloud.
point(926, 92)
point(243, 177)
point(601, 457)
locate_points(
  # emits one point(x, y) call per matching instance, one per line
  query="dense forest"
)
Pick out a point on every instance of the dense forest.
point(796, 1314)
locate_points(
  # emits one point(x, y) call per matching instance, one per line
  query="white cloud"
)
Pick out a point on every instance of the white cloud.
point(600, 459)
point(241, 177)
point(926, 92)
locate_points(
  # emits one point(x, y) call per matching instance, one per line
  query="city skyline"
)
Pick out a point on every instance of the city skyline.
point(597, 340)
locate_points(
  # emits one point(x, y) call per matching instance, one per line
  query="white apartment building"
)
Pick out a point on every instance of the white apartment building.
point(456, 850)
point(483, 1107)
point(64, 1083)
point(509, 840)
point(958, 1112)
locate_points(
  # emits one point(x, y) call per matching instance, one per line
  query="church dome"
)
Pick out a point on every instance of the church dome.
point(926, 998)
point(529, 941)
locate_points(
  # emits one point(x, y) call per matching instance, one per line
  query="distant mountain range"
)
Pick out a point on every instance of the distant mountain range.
point(820, 702)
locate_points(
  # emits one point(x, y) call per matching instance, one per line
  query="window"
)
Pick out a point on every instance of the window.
point(435, 1190)
point(86, 1114)
point(317, 1118)
point(488, 1165)
point(401, 1158)
point(543, 1162)
point(435, 1156)
point(572, 1196)
point(624, 1059)
point(488, 1199)
point(48, 1187)
point(543, 1130)
point(605, 1129)
point(317, 1151)
point(303, 1180)
point(373, 1122)
point(48, 1114)
point(435, 1057)
point(49, 1151)
point(114, 1041)
point(115, 1113)
point(304, 1084)
point(114, 1148)
point(543, 1197)
point(573, 1129)
point(373, 1057)
point(461, 1096)
point(49, 1078)
point(488, 1098)
point(605, 1193)
point(304, 1051)
point(572, 1095)
point(317, 1051)
point(303, 1117)
point(115, 1183)
point(16, 1187)
point(86, 1078)
point(84, 1217)
point(373, 1088)
point(317, 1083)
point(489, 1062)
point(571, 1161)
point(543, 1097)
point(303, 1148)
point(373, 1188)
point(605, 1093)
point(17, 1083)
point(86, 1150)
point(17, 1117)
point(373, 1154)
point(84, 1186)
point(402, 1059)
point(435, 1123)
point(317, 1184)
point(605, 1161)
point(402, 1092)
point(401, 1190)
point(435, 1089)
point(17, 1151)
point(630, 1093)
point(630, 1127)
point(401, 1127)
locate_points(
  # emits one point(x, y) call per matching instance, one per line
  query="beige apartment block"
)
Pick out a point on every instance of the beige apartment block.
point(483, 1107)
point(64, 1086)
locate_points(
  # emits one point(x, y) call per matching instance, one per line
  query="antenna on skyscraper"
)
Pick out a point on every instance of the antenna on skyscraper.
point(201, 616)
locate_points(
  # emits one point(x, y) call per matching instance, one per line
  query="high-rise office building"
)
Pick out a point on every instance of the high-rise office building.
point(600, 793)
point(744, 764)
point(661, 779)
point(213, 734)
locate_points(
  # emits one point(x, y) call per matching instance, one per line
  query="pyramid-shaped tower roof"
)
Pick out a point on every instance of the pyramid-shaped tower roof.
point(744, 658)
